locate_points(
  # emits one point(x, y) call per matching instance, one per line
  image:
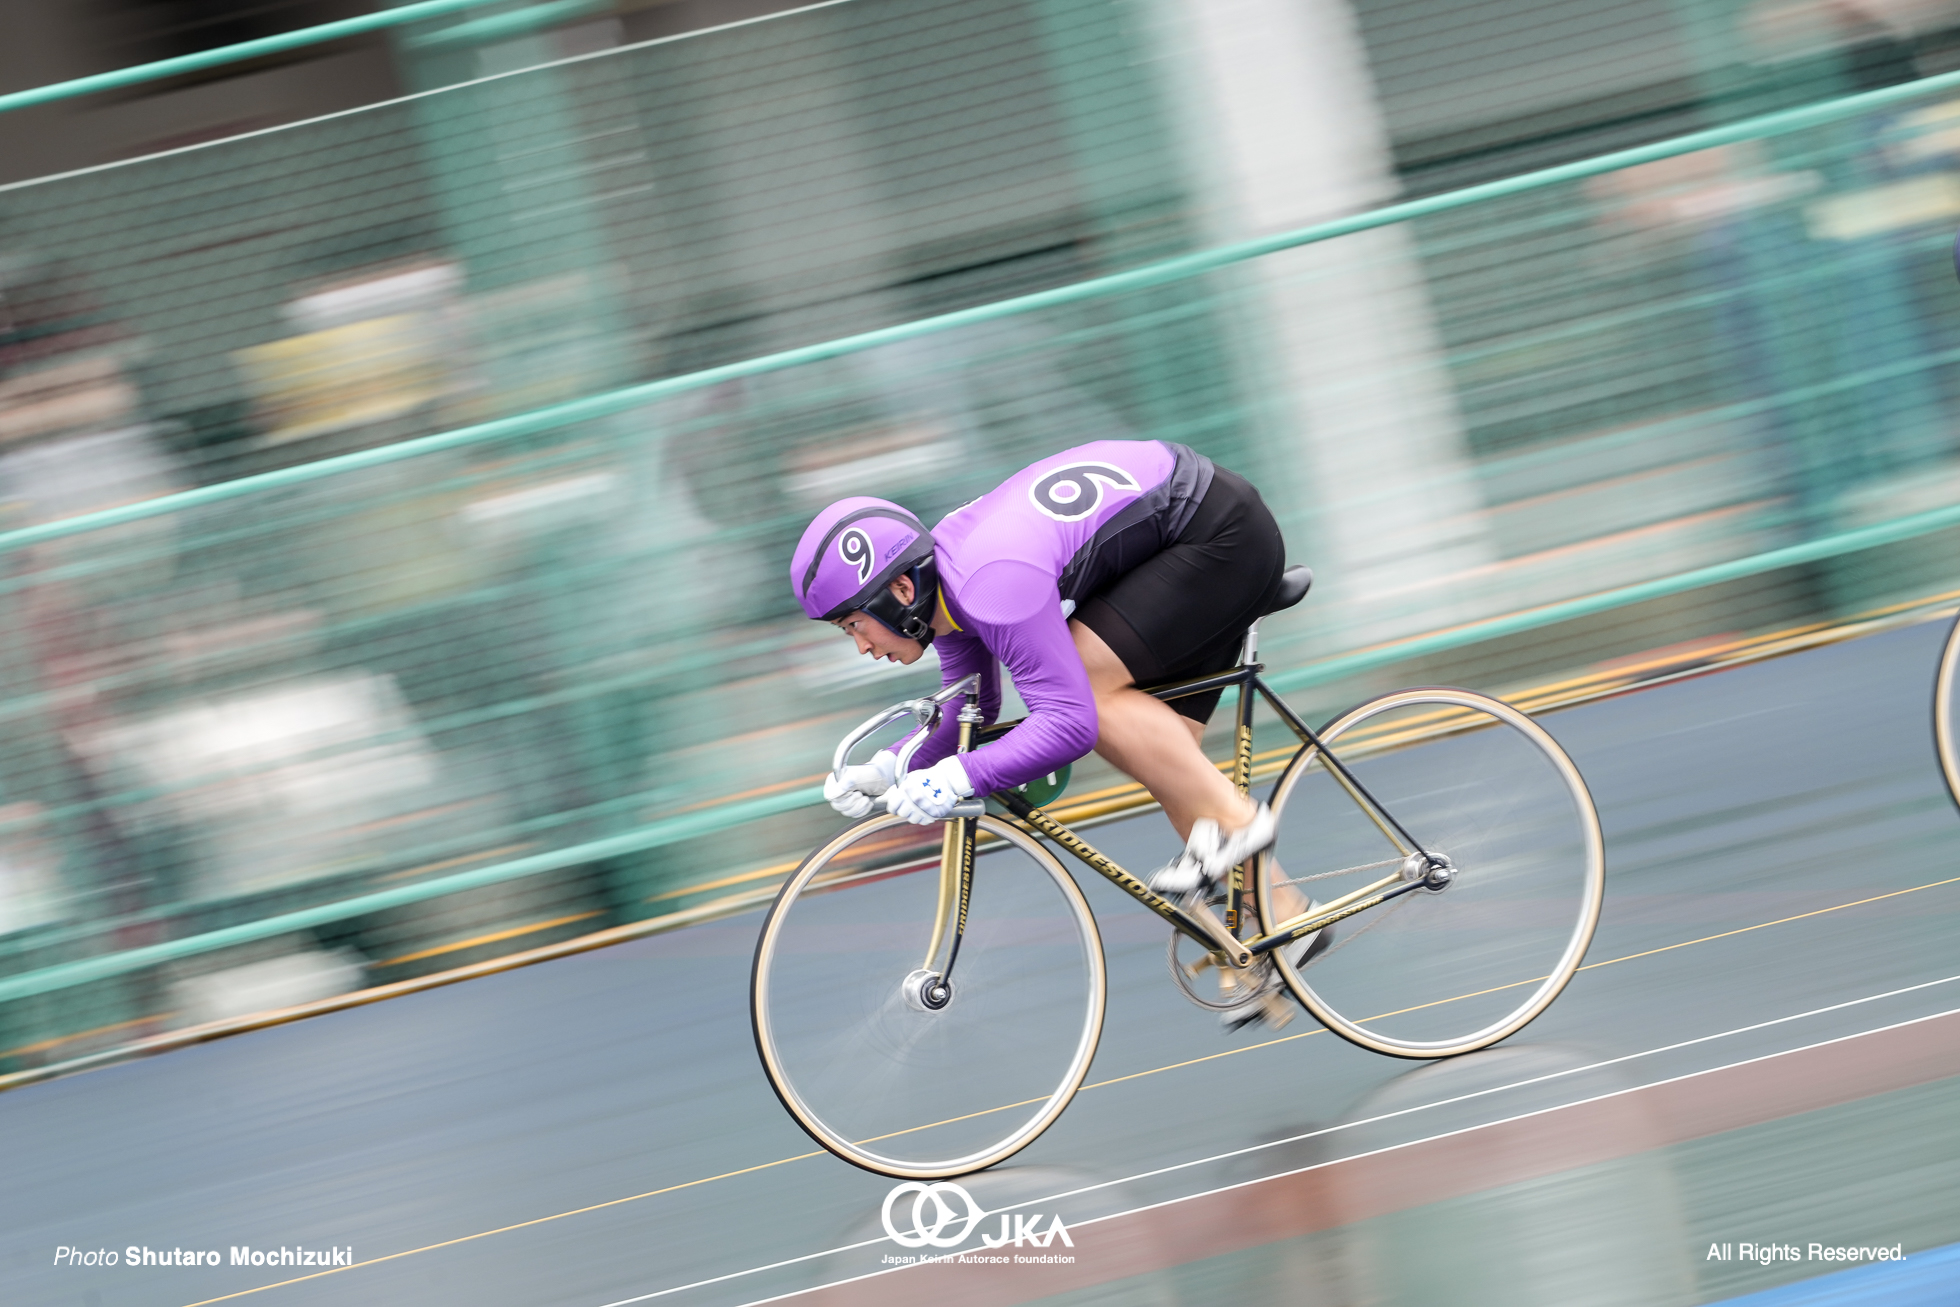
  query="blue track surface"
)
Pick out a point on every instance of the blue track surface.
point(1928, 1279)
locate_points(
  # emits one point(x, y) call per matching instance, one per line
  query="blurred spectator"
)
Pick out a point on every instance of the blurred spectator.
point(1701, 189)
point(31, 893)
point(1864, 43)
point(73, 440)
point(377, 355)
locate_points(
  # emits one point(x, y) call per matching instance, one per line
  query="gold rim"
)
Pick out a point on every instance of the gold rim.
point(1593, 891)
point(854, 1151)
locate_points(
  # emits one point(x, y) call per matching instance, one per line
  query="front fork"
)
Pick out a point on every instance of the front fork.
point(956, 852)
point(955, 878)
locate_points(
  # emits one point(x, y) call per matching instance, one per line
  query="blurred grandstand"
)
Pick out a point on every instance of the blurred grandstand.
point(393, 518)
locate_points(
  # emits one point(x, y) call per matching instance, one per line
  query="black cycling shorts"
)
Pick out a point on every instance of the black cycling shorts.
point(1183, 611)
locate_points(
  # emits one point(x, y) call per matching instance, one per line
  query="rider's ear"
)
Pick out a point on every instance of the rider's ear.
point(902, 589)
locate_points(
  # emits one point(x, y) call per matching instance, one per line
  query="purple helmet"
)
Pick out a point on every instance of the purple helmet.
point(849, 556)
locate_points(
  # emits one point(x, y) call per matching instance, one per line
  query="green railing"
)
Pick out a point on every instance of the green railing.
point(396, 505)
point(526, 18)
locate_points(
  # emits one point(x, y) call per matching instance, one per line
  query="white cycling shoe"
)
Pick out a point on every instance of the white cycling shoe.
point(1271, 1005)
point(1210, 854)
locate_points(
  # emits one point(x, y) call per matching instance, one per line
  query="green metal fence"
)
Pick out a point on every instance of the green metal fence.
point(397, 505)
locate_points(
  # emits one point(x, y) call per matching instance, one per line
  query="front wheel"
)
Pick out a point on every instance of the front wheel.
point(883, 1055)
point(1481, 787)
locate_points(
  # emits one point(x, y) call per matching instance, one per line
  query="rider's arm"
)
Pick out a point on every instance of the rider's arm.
point(959, 655)
point(1015, 610)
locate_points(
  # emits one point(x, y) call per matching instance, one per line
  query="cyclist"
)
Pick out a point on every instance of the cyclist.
point(1105, 566)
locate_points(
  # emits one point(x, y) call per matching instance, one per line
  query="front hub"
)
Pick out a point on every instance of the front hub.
point(927, 991)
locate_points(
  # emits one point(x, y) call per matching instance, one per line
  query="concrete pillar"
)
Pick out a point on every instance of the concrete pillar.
point(1364, 453)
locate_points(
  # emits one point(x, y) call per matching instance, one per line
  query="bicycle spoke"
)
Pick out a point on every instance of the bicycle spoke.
point(1481, 786)
point(862, 1042)
point(1345, 935)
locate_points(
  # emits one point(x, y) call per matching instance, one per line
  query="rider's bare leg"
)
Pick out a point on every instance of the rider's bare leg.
point(1149, 741)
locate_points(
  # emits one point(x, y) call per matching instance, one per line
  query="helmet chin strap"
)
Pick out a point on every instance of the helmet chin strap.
point(913, 621)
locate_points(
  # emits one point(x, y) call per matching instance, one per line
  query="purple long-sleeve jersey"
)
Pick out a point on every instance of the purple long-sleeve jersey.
point(1014, 563)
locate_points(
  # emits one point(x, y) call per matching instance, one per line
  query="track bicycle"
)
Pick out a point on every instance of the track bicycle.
point(927, 1000)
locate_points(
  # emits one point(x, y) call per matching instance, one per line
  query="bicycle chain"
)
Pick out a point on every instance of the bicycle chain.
point(1344, 871)
point(1269, 979)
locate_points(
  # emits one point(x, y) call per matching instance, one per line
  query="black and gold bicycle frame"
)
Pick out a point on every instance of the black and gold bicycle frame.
point(1223, 940)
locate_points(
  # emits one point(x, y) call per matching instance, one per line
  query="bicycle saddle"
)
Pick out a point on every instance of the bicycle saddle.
point(1294, 583)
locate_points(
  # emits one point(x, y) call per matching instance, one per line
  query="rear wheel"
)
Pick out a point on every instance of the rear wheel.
point(878, 1061)
point(1516, 890)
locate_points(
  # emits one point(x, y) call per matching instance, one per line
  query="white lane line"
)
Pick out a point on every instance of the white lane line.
point(1392, 1148)
point(755, 1270)
point(1350, 1125)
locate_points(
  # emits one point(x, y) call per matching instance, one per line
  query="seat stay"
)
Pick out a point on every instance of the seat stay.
point(1286, 714)
point(1391, 829)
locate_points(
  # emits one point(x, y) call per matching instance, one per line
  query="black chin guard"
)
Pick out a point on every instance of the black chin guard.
point(914, 620)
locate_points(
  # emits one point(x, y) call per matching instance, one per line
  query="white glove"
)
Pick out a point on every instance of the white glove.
point(854, 790)
point(924, 797)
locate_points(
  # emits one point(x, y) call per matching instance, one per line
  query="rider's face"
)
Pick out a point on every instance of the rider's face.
point(880, 641)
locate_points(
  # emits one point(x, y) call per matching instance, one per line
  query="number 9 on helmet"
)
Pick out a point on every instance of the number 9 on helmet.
point(853, 551)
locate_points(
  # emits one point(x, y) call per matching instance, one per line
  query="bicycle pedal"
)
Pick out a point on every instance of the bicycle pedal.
point(1276, 1009)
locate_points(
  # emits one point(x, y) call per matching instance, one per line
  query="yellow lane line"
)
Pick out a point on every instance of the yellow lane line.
point(1209, 1057)
point(491, 938)
point(775, 869)
point(1744, 930)
point(758, 792)
point(1135, 1075)
point(505, 1229)
point(46, 1044)
point(510, 850)
point(954, 1120)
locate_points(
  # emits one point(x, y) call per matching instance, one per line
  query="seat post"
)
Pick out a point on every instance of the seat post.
point(1250, 654)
